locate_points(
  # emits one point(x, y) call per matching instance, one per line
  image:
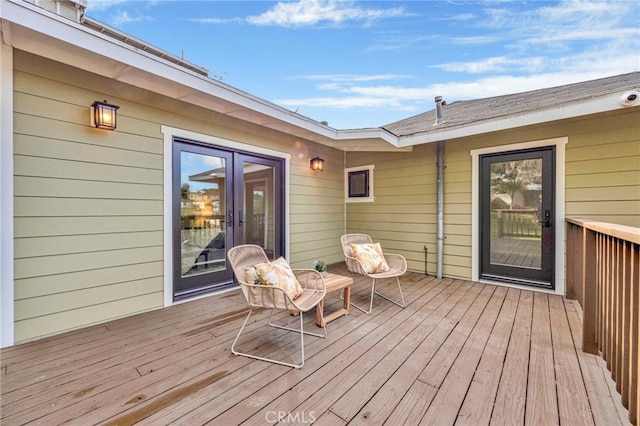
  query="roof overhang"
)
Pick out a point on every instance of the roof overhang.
point(35, 30)
point(595, 105)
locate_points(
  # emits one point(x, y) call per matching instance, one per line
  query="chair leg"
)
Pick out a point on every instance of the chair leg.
point(272, 324)
point(403, 305)
point(373, 291)
point(287, 364)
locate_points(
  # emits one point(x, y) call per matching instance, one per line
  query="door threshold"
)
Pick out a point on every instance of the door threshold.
point(520, 286)
point(205, 295)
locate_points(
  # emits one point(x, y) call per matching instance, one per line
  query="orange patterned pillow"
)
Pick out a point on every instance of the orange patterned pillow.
point(278, 273)
point(370, 257)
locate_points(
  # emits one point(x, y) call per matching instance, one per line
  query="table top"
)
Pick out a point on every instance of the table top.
point(335, 280)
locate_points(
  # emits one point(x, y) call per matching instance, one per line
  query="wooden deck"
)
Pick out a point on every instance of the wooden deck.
point(516, 252)
point(459, 353)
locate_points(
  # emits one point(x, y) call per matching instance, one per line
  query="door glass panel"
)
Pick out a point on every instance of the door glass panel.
point(202, 213)
point(516, 206)
point(258, 217)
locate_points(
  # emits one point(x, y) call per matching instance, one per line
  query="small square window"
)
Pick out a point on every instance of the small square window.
point(359, 184)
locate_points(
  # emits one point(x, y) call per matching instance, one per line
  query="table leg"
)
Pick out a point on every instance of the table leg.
point(347, 298)
point(319, 310)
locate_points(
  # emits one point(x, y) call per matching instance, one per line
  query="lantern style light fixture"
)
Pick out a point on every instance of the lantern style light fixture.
point(103, 115)
point(316, 164)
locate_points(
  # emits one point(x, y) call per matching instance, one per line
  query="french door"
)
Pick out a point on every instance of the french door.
point(221, 198)
point(517, 238)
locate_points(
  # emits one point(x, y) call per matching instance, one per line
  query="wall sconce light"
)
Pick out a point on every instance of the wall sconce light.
point(316, 164)
point(103, 115)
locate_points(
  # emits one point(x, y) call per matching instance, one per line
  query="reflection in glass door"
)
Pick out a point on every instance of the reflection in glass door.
point(517, 217)
point(204, 185)
point(221, 198)
point(259, 220)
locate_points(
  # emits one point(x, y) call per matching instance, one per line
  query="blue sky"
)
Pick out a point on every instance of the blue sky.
point(358, 64)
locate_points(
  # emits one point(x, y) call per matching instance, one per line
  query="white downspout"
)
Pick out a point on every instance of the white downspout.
point(440, 166)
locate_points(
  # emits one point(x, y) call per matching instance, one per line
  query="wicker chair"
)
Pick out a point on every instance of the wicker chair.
point(266, 296)
point(397, 267)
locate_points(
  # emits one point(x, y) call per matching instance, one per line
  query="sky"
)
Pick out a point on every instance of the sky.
point(363, 64)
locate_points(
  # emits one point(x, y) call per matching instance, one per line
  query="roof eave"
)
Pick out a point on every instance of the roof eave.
point(595, 105)
point(35, 30)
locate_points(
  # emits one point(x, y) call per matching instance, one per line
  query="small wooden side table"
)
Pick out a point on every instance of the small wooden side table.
point(335, 282)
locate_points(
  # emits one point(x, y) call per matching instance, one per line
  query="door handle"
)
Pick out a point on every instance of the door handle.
point(547, 219)
point(229, 218)
point(240, 218)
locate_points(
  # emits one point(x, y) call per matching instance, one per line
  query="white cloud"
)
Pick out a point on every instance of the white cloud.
point(217, 20)
point(121, 18)
point(565, 21)
point(315, 12)
point(351, 77)
point(485, 39)
point(393, 42)
point(495, 64)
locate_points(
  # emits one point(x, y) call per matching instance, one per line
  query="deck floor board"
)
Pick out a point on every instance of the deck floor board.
point(460, 353)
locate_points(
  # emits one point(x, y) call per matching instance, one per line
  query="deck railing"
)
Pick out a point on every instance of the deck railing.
point(603, 261)
point(517, 222)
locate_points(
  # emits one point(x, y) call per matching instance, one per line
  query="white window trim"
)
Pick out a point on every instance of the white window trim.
point(559, 143)
point(169, 134)
point(7, 272)
point(370, 198)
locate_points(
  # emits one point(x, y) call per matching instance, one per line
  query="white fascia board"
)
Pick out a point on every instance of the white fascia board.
point(49, 25)
point(372, 133)
point(606, 103)
point(373, 139)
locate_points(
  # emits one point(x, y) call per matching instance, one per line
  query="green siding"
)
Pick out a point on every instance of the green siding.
point(89, 213)
point(602, 173)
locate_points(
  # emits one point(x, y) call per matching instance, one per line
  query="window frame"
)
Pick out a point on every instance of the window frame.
point(368, 196)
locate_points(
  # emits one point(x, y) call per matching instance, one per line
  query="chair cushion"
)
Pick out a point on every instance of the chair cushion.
point(251, 275)
point(370, 257)
point(278, 273)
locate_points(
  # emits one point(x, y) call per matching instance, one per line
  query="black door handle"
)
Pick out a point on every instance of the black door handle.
point(229, 218)
point(547, 219)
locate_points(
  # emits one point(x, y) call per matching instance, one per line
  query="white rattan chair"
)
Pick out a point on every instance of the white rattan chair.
point(260, 296)
point(397, 267)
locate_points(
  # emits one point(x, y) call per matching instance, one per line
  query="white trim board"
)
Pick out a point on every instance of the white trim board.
point(559, 143)
point(7, 326)
point(169, 134)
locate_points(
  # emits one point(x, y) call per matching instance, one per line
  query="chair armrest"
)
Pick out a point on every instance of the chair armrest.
point(310, 279)
point(396, 261)
point(266, 296)
point(354, 266)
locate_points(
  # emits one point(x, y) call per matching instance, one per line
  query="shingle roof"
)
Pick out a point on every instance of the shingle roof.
point(457, 114)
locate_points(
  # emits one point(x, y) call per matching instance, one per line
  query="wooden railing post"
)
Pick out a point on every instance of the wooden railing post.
point(589, 292)
point(574, 262)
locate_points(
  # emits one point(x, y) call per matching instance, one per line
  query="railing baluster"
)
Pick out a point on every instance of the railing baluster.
point(603, 263)
point(634, 340)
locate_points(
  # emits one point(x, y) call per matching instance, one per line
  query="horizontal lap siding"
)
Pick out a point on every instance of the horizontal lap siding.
point(602, 173)
point(316, 207)
point(88, 211)
point(89, 203)
point(403, 214)
point(603, 170)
